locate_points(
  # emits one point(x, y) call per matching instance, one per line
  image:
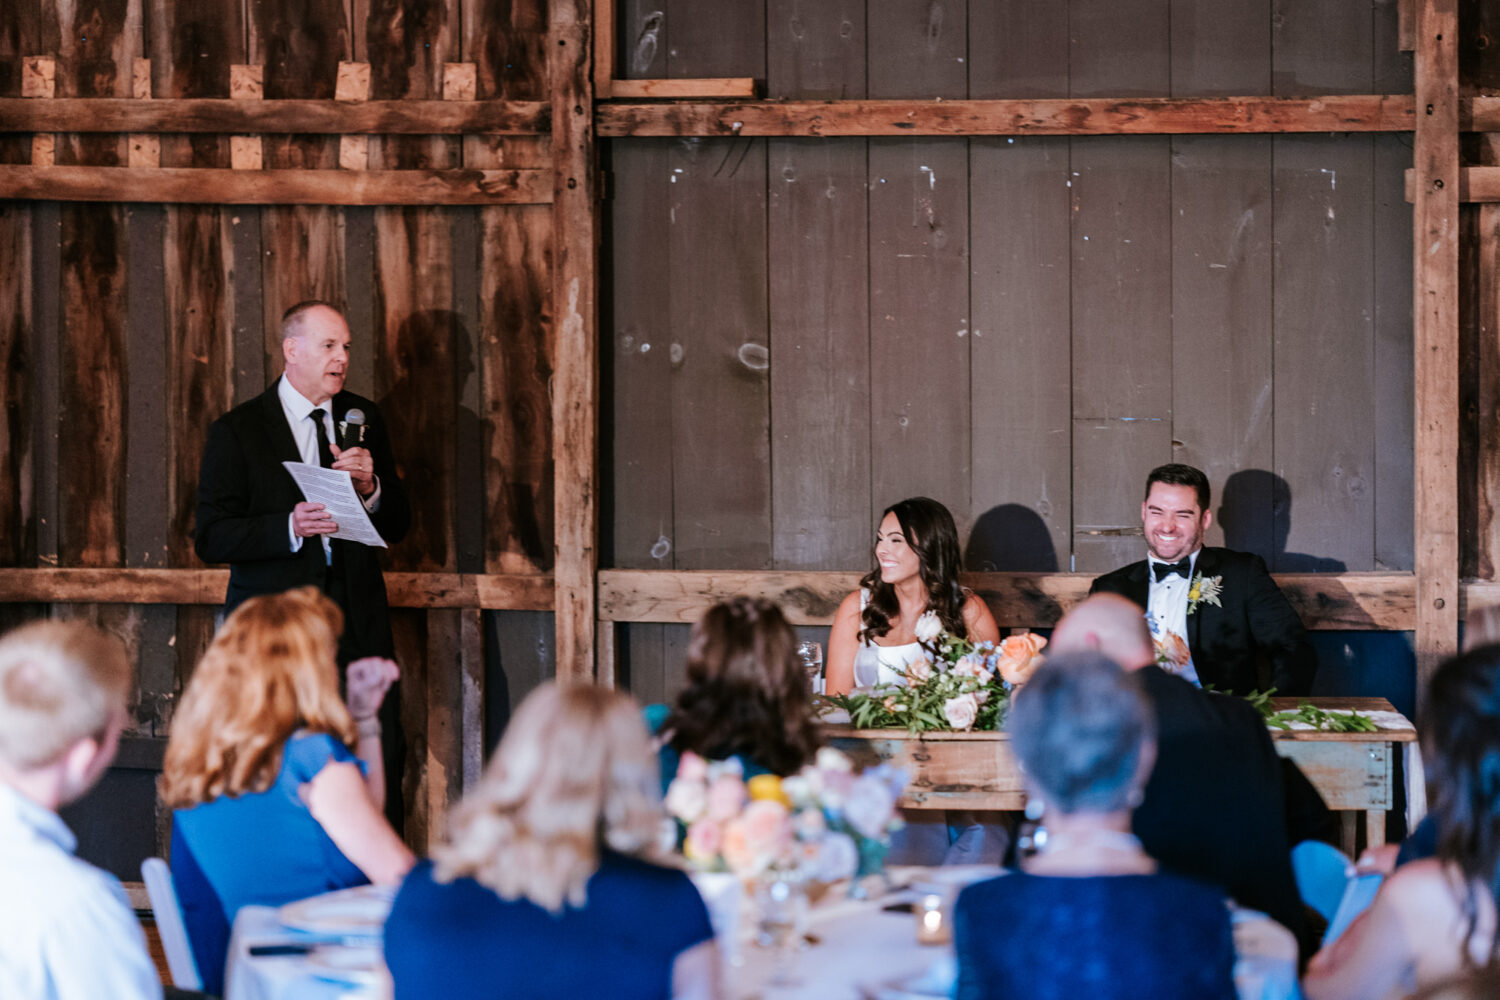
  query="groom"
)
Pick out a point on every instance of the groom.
point(1211, 611)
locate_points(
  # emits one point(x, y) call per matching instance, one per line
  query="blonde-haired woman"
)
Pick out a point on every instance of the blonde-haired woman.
point(541, 889)
point(276, 783)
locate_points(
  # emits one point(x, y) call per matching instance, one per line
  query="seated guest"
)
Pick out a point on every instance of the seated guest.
point(1090, 916)
point(1436, 918)
point(277, 787)
point(1214, 807)
point(912, 591)
point(1213, 611)
point(747, 695)
point(66, 929)
point(541, 889)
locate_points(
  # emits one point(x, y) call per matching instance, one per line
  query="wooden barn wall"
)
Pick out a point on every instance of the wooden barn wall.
point(802, 331)
point(126, 330)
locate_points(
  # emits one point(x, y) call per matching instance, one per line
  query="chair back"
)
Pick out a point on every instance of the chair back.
point(1322, 873)
point(169, 923)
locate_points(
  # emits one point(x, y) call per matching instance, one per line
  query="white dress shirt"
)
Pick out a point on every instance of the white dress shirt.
point(298, 409)
point(66, 929)
point(1166, 608)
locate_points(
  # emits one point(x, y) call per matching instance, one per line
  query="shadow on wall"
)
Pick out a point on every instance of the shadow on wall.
point(1247, 495)
point(1011, 538)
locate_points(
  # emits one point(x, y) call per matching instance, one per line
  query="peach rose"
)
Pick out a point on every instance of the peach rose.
point(918, 670)
point(725, 796)
point(1172, 652)
point(1020, 655)
point(703, 841)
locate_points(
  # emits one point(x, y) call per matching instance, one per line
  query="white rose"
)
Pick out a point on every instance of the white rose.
point(928, 627)
point(829, 759)
point(961, 711)
point(686, 799)
point(870, 807)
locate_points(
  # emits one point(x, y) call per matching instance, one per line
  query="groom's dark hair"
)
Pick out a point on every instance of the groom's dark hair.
point(1177, 474)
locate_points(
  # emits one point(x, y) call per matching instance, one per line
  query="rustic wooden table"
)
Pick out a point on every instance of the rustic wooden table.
point(1352, 771)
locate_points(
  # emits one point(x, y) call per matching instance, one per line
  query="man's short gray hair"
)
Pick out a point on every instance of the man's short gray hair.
point(1079, 728)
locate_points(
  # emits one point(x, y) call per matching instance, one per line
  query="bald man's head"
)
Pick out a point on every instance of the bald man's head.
point(1108, 624)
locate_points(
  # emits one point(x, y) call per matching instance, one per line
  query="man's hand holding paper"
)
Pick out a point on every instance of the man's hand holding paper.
point(332, 507)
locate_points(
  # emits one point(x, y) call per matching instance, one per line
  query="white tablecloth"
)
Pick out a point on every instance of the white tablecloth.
point(278, 977)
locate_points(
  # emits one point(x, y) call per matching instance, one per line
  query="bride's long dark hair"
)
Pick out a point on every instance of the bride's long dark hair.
point(932, 535)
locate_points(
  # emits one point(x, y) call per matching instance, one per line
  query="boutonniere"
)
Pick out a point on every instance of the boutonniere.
point(1204, 590)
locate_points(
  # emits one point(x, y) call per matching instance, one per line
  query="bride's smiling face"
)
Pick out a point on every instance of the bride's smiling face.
point(898, 560)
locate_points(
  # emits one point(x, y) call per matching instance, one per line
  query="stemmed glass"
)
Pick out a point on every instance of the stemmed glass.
point(811, 655)
point(866, 667)
point(781, 899)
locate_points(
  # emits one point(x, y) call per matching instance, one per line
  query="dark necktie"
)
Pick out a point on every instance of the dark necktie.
point(1182, 567)
point(325, 454)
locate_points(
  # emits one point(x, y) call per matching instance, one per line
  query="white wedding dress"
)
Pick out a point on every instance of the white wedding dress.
point(893, 660)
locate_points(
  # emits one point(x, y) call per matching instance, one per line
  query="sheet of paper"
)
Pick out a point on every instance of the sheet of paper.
point(334, 489)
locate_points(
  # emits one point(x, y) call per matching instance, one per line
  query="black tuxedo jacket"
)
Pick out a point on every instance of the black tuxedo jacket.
point(245, 498)
point(1253, 617)
point(1214, 806)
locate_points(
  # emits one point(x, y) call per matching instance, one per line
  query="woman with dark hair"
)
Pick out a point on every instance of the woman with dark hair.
point(747, 695)
point(910, 596)
point(1436, 918)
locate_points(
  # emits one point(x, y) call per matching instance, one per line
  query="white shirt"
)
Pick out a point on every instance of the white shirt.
point(298, 409)
point(66, 929)
point(1166, 608)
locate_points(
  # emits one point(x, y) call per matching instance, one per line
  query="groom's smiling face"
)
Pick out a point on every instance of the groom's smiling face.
point(1174, 523)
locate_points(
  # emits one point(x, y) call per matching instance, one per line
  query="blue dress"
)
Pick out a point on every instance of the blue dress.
point(262, 848)
point(444, 941)
point(1116, 937)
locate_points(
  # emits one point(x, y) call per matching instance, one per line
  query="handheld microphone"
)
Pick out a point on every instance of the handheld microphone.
point(353, 419)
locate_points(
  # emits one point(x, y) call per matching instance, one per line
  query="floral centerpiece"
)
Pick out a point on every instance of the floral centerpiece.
point(826, 821)
point(954, 685)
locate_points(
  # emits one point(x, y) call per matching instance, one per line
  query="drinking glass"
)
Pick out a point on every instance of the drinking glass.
point(811, 655)
point(866, 667)
point(781, 905)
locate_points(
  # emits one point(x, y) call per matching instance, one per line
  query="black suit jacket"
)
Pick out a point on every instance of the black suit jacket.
point(1253, 617)
point(1213, 807)
point(245, 498)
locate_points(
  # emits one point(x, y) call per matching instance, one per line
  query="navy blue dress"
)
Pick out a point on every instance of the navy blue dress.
point(1117, 937)
point(453, 940)
point(263, 848)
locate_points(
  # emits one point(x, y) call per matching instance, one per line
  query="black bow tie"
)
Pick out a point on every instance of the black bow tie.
point(1182, 567)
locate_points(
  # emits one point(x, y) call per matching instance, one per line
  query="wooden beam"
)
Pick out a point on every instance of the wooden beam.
point(604, 48)
point(210, 186)
point(743, 86)
point(221, 115)
point(1380, 601)
point(491, 592)
point(1435, 227)
point(1479, 114)
point(1101, 116)
point(575, 389)
point(1476, 185)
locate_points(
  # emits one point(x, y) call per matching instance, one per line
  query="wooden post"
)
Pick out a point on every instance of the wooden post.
point(39, 79)
point(1435, 233)
point(575, 394)
point(246, 83)
point(353, 85)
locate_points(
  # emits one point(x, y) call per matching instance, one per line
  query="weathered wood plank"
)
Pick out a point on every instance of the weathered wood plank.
point(715, 39)
point(146, 535)
point(181, 185)
point(820, 353)
point(520, 592)
point(575, 277)
point(1119, 48)
point(1021, 378)
point(1102, 116)
point(1435, 235)
point(643, 40)
point(635, 90)
point(99, 46)
point(815, 49)
point(1222, 390)
point(20, 30)
point(920, 428)
point(1032, 600)
point(721, 440)
point(1122, 402)
point(219, 115)
point(1222, 49)
point(1318, 47)
point(917, 48)
point(1324, 321)
point(1018, 49)
point(1394, 403)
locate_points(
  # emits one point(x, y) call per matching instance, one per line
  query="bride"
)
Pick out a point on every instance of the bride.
point(910, 595)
